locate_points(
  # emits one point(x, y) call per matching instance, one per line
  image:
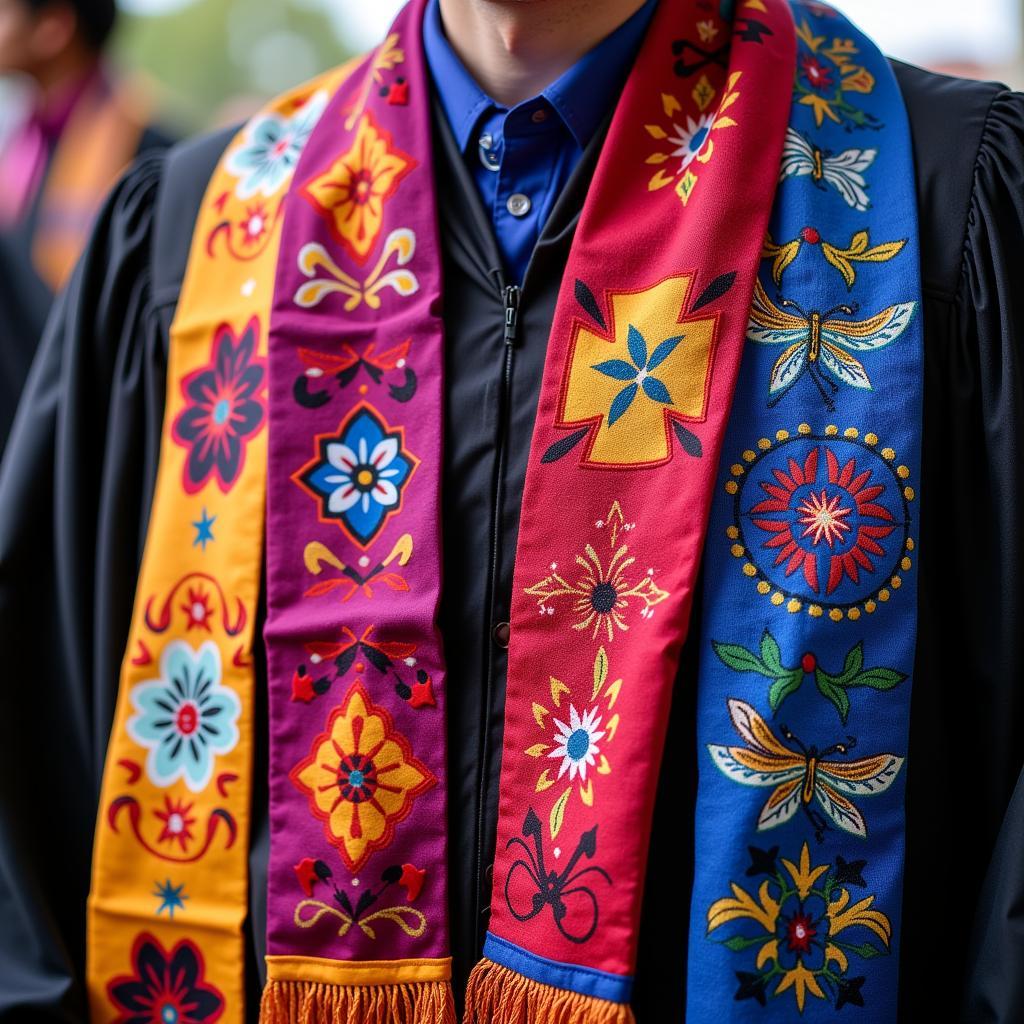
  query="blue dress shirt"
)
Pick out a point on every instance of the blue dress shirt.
point(521, 158)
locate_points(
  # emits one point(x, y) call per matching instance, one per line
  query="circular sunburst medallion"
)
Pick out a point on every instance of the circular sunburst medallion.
point(821, 522)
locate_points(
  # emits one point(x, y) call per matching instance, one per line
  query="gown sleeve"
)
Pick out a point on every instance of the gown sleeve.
point(74, 495)
point(990, 744)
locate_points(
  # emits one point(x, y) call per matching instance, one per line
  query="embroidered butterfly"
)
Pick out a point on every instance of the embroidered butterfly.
point(820, 345)
point(843, 171)
point(802, 775)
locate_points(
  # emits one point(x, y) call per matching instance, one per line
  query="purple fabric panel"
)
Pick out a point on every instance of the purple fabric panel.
point(297, 517)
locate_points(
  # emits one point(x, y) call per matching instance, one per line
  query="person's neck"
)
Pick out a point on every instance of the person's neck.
point(515, 48)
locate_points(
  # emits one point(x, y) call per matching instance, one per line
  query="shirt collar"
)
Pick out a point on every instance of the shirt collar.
point(582, 95)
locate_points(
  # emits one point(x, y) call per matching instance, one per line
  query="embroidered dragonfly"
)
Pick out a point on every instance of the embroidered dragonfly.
point(820, 344)
point(552, 889)
point(843, 171)
point(802, 775)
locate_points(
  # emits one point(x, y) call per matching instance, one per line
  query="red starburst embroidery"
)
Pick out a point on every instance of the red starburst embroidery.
point(254, 224)
point(840, 511)
point(198, 610)
point(178, 821)
point(818, 74)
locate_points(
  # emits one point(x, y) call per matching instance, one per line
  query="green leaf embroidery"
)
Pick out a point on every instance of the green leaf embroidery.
point(783, 687)
point(828, 687)
point(770, 653)
point(879, 678)
point(738, 943)
point(854, 663)
point(558, 813)
point(600, 671)
point(739, 659)
point(867, 950)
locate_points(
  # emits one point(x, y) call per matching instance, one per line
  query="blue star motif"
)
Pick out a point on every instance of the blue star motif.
point(204, 530)
point(172, 897)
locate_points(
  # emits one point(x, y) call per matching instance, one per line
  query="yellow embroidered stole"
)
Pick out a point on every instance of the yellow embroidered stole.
point(169, 879)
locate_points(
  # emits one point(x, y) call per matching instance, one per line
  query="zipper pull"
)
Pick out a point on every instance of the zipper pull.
point(511, 298)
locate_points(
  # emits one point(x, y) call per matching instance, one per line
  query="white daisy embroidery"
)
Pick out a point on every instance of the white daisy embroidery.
point(576, 743)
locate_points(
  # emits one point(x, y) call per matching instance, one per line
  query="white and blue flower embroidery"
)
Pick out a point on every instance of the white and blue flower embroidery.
point(359, 474)
point(186, 717)
point(270, 151)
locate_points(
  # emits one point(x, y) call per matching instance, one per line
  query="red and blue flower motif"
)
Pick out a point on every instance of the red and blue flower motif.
point(824, 519)
point(359, 474)
point(225, 407)
point(165, 987)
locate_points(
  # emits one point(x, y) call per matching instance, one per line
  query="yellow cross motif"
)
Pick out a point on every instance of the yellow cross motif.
point(654, 366)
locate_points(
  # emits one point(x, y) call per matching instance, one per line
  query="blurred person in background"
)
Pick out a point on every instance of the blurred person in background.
point(249, 713)
point(79, 130)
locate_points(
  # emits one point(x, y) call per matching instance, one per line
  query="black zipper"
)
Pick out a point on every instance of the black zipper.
point(511, 296)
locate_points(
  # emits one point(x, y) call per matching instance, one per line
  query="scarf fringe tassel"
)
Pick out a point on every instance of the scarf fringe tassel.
point(498, 995)
point(313, 1002)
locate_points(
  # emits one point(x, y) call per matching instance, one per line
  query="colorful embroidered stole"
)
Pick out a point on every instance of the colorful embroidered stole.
point(808, 631)
point(644, 356)
point(358, 898)
point(170, 881)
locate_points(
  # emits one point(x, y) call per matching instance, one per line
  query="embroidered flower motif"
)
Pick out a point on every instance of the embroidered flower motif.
point(637, 372)
point(579, 744)
point(799, 912)
point(810, 528)
point(692, 142)
point(360, 778)
point(822, 519)
point(254, 224)
point(359, 474)
point(350, 195)
point(576, 743)
point(197, 609)
point(224, 408)
point(178, 821)
point(186, 717)
point(603, 590)
point(269, 152)
point(817, 74)
point(165, 987)
point(825, 74)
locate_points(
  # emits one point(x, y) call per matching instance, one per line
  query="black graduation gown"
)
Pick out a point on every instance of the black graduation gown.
point(74, 495)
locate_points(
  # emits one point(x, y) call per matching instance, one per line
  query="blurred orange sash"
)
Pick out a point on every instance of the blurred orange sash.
point(100, 140)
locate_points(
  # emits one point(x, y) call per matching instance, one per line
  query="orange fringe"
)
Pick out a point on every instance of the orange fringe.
point(497, 995)
point(313, 1002)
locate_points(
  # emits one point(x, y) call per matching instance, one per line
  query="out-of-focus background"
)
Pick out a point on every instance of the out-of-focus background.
point(210, 62)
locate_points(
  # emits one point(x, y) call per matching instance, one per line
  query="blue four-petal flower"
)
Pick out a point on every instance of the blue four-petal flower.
point(637, 371)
